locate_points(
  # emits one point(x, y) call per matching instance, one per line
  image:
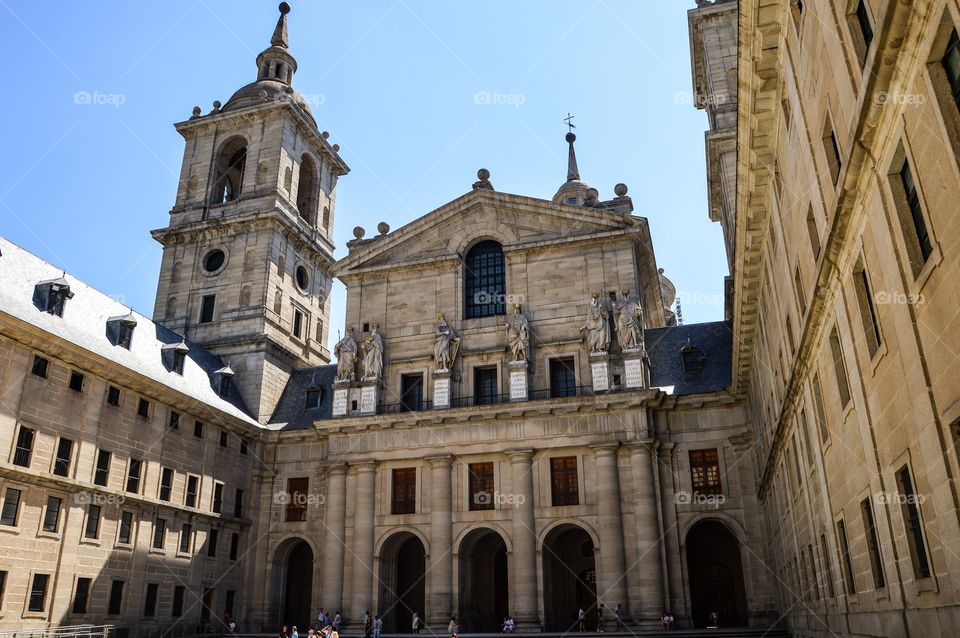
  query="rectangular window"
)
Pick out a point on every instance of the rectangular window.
point(238, 503)
point(910, 508)
point(404, 496)
point(198, 429)
point(832, 152)
point(481, 486)
point(177, 609)
point(234, 545)
point(229, 602)
point(11, 507)
point(913, 222)
point(159, 533)
point(951, 65)
point(143, 408)
point(705, 472)
point(179, 359)
point(817, 391)
point(411, 392)
point(223, 439)
point(563, 379)
point(828, 572)
point(564, 485)
point(150, 601)
point(297, 324)
point(207, 305)
point(174, 420)
point(297, 490)
point(801, 293)
point(38, 593)
point(813, 572)
point(186, 533)
point(191, 495)
point(845, 558)
point(814, 232)
point(76, 381)
point(217, 498)
point(125, 531)
point(212, 537)
point(81, 595)
point(40, 365)
point(113, 396)
point(51, 514)
point(92, 529)
point(873, 544)
point(485, 386)
point(866, 29)
point(61, 465)
point(24, 449)
point(166, 483)
point(116, 598)
point(101, 474)
point(243, 446)
point(133, 476)
point(839, 367)
point(868, 312)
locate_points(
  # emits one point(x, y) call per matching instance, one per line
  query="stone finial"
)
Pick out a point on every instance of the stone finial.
point(620, 190)
point(196, 113)
point(279, 38)
point(359, 232)
point(383, 228)
point(336, 148)
point(325, 134)
point(483, 180)
point(216, 106)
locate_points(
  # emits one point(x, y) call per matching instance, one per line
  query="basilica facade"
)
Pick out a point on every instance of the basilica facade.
point(516, 424)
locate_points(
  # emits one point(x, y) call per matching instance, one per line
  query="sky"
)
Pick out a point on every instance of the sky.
point(419, 94)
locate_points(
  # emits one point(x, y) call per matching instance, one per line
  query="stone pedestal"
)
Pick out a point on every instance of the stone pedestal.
point(519, 380)
point(634, 369)
point(600, 371)
point(369, 396)
point(341, 398)
point(441, 389)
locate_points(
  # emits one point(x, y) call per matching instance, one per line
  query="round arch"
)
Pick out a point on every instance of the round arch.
point(387, 537)
point(715, 572)
point(463, 240)
point(567, 554)
point(733, 526)
point(291, 580)
point(458, 543)
point(401, 569)
point(565, 522)
point(481, 557)
point(229, 165)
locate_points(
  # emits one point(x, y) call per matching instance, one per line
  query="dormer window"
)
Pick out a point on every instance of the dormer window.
point(120, 330)
point(224, 380)
point(51, 296)
point(175, 356)
point(313, 399)
point(692, 358)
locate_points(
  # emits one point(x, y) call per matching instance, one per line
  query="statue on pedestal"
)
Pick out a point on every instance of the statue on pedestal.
point(446, 345)
point(597, 327)
point(518, 334)
point(373, 355)
point(629, 315)
point(346, 352)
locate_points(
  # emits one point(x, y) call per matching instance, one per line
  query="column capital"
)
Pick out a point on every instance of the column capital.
point(520, 455)
point(649, 446)
point(339, 468)
point(364, 465)
point(605, 449)
point(439, 460)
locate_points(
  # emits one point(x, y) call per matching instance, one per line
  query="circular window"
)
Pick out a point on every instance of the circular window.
point(214, 260)
point(303, 279)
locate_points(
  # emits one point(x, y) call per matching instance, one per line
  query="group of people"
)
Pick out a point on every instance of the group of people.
point(601, 618)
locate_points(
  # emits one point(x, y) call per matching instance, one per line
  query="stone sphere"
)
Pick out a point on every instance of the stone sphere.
point(336, 148)
point(359, 232)
point(593, 193)
point(196, 110)
point(620, 189)
point(383, 228)
point(216, 104)
point(571, 138)
point(483, 174)
point(325, 134)
point(284, 8)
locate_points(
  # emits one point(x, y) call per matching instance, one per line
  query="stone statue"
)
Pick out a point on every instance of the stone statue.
point(346, 352)
point(597, 327)
point(629, 317)
point(518, 334)
point(373, 354)
point(446, 346)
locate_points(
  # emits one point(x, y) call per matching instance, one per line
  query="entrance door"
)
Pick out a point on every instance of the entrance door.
point(715, 574)
point(402, 582)
point(569, 579)
point(484, 588)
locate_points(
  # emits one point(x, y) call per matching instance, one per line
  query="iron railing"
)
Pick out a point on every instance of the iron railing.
point(491, 399)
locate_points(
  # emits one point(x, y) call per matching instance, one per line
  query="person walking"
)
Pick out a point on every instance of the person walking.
point(284, 633)
point(452, 626)
point(618, 615)
point(415, 623)
point(293, 633)
point(582, 619)
point(337, 619)
point(600, 618)
point(377, 626)
point(367, 624)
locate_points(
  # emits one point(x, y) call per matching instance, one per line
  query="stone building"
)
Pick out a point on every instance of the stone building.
point(515, 422)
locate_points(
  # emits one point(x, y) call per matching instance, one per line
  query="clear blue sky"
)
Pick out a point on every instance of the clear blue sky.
point(394, 81)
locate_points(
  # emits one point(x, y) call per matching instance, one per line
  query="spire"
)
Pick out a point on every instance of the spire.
point(279, 38)
point(572, 171)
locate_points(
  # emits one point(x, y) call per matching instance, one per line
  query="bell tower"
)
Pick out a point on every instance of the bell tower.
point(247, 251)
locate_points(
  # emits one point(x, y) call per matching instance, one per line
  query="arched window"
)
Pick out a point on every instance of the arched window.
point(306, 190)
point(484, 281)
point(171, 308)
point(229, 174)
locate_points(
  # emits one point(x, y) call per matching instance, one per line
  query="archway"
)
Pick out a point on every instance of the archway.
point(401, 582)
point(293, 583)
point(484, 588)
point(569, 578)
point(715, 573)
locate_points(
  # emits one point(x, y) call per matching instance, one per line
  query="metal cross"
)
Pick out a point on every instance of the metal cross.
point(568, 122)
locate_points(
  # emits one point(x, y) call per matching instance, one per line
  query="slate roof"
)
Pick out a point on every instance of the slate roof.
point(715, 342)
point(291, 412)
point(84, 323)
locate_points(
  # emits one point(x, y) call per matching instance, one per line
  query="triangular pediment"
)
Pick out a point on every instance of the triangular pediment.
point(515, 221)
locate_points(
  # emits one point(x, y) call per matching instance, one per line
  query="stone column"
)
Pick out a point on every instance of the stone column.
point(612, 576)
point(643, 459)
point(363, 522)
point(440, 563)
point(523, 570)
point(334, 544)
